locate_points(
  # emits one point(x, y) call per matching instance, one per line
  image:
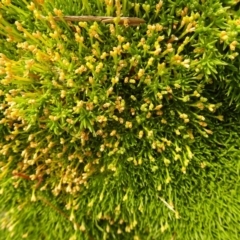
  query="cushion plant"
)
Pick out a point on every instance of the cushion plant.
point(120, 130)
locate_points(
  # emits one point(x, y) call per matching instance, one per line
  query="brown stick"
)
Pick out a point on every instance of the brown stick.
point(21, 175)
point(24, 176)
point(53, 207)
point(132, 21)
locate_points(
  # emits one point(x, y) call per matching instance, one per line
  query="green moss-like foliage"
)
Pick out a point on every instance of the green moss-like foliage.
point(111, 131)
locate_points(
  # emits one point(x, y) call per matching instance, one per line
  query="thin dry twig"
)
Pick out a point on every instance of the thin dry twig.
point(131, 21)
point(167, 204)
point(24, 176)
point(53, 207)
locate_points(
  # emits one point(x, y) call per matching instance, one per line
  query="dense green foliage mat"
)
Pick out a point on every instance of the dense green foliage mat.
point(114, 131)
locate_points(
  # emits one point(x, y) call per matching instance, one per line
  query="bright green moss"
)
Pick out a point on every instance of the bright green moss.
point(112, 131)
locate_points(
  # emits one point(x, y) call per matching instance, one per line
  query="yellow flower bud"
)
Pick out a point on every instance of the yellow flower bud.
point(126, 46)
point(31, 7)
point(140, 73)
